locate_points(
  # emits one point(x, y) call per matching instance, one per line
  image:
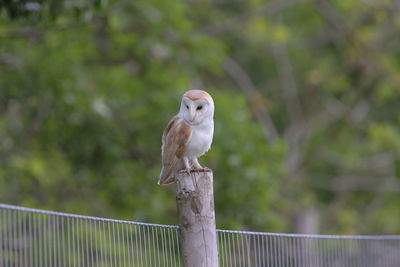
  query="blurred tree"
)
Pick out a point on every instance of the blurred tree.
point(307, 119)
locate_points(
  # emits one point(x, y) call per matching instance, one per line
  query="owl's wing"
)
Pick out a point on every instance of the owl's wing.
point(175, 137)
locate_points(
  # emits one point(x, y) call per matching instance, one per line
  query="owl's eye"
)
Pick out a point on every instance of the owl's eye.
point(187, 106)
point(199, 107)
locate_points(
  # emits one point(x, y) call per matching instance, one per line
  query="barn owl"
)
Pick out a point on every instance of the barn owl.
point(187, 136)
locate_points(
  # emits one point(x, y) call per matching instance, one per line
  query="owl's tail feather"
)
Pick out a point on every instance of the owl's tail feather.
point(167, 176)
point(167, 182)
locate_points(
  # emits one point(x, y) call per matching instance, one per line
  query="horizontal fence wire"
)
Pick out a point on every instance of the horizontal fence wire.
point(32, 237)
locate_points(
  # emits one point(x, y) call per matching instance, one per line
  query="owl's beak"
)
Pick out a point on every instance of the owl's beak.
point(192, 114)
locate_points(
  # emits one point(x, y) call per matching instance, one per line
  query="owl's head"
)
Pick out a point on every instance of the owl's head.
point(196, 107)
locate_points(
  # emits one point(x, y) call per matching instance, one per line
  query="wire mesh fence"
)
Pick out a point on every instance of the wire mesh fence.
point(238, 248)
point(31, 237)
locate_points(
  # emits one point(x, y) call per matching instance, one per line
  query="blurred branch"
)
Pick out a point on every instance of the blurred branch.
point(362, 183)
point(25, 33)
point(232, 24)
point(320, 39)
point(339, 30)
point(42, 113)
point(288, 84)
point(365, 61)
point(332, 17)
point(297, 125)
point(382, 161)
point(254, 98)
point(334, 110)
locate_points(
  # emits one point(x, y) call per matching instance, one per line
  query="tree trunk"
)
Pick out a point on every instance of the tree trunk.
point(195, 200)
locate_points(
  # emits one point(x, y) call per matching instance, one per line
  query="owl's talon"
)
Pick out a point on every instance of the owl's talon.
point(204, 169)
point(187, 171)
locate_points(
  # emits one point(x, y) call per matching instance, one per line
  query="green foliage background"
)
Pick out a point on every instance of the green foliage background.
point(307, 95)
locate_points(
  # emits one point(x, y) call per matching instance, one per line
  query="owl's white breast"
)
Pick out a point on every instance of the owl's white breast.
point(201, 139)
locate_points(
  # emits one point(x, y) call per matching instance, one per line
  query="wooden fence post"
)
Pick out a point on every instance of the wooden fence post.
point(195, 200)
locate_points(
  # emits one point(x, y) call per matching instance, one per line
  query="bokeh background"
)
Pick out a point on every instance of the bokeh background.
point(307, 94)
